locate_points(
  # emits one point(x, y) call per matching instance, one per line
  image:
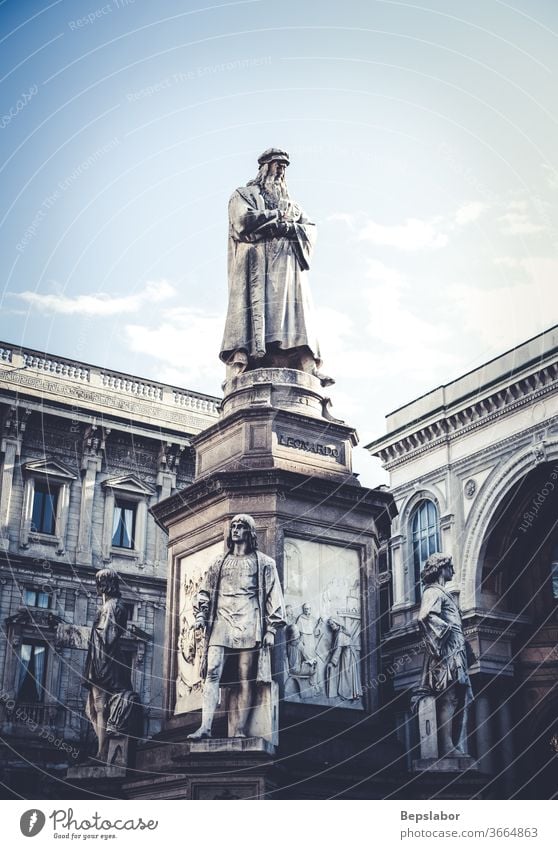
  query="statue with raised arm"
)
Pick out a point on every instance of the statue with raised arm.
point(270, 318)
point(111, 702)
point(445, 671)
point(239, 608)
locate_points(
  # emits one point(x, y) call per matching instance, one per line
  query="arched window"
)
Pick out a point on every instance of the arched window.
point(425, 537)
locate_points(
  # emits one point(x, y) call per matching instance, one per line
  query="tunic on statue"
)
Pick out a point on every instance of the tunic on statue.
point(269, 297)
point(446, 658)
point(240, 599)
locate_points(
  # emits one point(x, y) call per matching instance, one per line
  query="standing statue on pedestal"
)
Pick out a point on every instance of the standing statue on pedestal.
point(239, 609)
point(270, 318)
point(111, 703)
point(445, 671)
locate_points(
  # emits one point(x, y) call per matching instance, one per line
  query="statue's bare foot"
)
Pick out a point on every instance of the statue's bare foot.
point(201, 734)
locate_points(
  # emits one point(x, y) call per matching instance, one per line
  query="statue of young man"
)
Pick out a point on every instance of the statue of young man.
point(239, 608)
point(270, 318)
point(445, 671)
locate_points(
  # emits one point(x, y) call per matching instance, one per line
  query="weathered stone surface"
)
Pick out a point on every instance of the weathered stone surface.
point(457, 765)
point(232, 745)
point(276, 418)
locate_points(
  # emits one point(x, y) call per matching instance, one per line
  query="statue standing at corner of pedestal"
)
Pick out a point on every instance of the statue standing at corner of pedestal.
point(270, 318)
point(445, 671)
point(112, 706)
point(239, 608)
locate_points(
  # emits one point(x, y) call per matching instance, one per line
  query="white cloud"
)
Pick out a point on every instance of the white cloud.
point(516, 221)
point(186, 344)
point(414, 235)
point(551, 175)
point(100, 303)
point(392, 322)
point(345, 217)
point(469, 212)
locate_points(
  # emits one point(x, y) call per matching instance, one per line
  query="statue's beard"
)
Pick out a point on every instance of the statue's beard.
point(275, 191)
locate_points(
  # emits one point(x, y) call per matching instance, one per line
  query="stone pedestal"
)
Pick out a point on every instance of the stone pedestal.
point(225, 769)
point(462, 763)
point(279, 455)
point(120, 757)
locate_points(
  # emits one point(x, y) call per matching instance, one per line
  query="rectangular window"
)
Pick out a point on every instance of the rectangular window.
point(123, 524)
point(32, 670)
point(35, 598)
point(45, 498)
point(130, 608)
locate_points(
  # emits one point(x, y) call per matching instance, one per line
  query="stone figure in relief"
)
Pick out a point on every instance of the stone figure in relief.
point(111, 704)
point(239, 608)
point(310, 630)
point(342, 667)
point(302, 634)
point(270, 319)
point(445, 671)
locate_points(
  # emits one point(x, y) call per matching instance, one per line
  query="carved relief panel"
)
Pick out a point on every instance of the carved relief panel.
point(323, 634)
point(189, 683)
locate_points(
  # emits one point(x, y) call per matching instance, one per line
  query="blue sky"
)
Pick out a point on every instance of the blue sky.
point(423, 142)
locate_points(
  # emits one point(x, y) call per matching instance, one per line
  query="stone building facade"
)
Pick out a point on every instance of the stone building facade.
point(474, 472)
point(84, 454)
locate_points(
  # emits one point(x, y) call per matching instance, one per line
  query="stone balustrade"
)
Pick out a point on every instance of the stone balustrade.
point(90, 385)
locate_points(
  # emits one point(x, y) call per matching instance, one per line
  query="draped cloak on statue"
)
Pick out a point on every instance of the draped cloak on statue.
point(446, 656)
point(269, 298)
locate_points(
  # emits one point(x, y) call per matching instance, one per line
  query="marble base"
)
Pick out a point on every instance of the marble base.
point(219, 768)
point(449, 764)
point(120, 756)
point(231, 745)
point(102, 772)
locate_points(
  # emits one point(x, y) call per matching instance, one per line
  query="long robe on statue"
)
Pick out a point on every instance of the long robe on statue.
point(269, 298)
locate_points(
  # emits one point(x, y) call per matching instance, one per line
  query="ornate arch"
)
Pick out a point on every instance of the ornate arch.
point(495, 488)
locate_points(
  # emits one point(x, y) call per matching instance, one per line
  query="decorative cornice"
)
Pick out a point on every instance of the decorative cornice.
point(477, 415)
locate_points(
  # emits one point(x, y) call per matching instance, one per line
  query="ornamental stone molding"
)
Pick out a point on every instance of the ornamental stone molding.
point(521, 393)
point(470, 488)
point(44, 380)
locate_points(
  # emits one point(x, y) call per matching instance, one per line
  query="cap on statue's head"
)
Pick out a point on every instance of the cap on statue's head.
point(274, 154)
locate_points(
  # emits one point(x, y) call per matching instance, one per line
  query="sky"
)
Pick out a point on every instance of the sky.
point(423, 143)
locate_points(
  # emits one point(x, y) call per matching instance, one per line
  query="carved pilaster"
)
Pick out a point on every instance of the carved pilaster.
point(168, 462)
point(13, 428)
point(91, 462)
